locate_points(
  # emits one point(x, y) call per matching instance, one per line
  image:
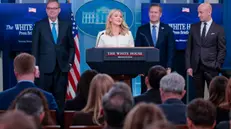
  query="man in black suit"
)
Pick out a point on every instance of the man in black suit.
point(171, 92)
point(206, 49)
point(159, 35)
point(53, 48)
point(152, 82)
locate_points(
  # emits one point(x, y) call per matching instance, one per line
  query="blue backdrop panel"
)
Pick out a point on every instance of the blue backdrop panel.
point(16, 25)
point(179, 17)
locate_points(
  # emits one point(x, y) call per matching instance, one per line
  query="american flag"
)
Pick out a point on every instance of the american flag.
point(74, 74)
point(184, 9)
point(32, 10)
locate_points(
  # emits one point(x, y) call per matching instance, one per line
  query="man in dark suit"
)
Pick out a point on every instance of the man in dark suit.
point(152, 82)
point(53, 48)
point(25, 72)
point(159, 35)
point(206, 49)
point(171, 92)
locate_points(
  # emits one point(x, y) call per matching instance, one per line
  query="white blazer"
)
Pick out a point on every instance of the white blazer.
point(104, 40)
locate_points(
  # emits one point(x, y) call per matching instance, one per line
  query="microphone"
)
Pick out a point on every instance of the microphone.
point(146, 39)
point(97, 43)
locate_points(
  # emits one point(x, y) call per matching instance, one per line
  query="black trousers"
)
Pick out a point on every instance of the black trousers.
point(55, 83)
point(202, 74)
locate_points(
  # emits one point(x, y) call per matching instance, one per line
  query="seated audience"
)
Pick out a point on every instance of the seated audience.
point(16, 120)
point(171, 92)
point(92, 114)
point(142, 115)
point(32, 105)
point(217, 97)
point(201, 114)
point(116, 104)
point(226, 124)
point(47, 120)
point(25, 72)
point(152, 82)
point(80, 101)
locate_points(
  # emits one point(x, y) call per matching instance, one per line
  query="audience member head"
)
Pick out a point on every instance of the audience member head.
point(116, 104)
point(24, 67)
point(53, 9)
point(115, 19)
point(205, 12)
point(172, 86)
point(32, 105)
point(99, 86)
point(143, 114)
point(47, 120)
point(155, 74)
point(84, 83)
point(201, 114)
point(160, 125)
point(16, 120)
point(217, 89)
point(155, 12)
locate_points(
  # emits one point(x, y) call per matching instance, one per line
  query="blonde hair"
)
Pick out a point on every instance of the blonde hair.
point(123, 27)
point(142, 115)
point(99, 86)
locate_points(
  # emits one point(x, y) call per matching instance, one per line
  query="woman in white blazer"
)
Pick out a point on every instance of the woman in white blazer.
point(117, 33)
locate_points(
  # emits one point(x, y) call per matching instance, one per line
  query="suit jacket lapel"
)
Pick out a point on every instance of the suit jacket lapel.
point(48, 29)
point(209, 32)
point(160, 35)
point(198, 33)
point(60, 31)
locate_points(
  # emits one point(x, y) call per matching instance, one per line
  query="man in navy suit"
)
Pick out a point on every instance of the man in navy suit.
point(159, 35)
point(25, 72)
point(152, 81)
point(171, 92)
point(53, 48)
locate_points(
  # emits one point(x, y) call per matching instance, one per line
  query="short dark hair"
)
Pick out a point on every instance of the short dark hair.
point(155, 74)
point(84, 84)
point(31, 104)
point(50, 1)
point(201, 112)
point(116, 104)
point(24, 63)
point(155, 5)
point(217, 89)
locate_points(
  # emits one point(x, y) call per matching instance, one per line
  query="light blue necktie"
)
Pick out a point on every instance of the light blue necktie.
point(154, 35)
point(54, 33)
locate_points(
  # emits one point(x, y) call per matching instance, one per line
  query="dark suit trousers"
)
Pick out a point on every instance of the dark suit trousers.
point(56, 83)
point(201, 75)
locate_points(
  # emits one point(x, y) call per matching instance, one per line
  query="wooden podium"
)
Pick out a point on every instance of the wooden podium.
point(122, 63)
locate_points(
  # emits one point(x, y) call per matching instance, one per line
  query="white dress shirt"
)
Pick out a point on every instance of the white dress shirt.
point(56, 26)
point(104, 40)
point(209, 23)
point(157, 29)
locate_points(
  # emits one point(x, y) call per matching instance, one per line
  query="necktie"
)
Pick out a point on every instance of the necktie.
point(154, 35)
point(203, 32)
point(54, 33)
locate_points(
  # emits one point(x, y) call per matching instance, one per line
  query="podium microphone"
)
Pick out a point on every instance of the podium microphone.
point(97, 43)
point(146, 39)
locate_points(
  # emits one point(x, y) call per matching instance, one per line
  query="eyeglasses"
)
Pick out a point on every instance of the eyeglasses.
point(48, 8)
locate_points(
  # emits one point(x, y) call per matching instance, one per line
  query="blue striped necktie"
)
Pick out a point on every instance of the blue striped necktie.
point(54, 33)
point(154, 35)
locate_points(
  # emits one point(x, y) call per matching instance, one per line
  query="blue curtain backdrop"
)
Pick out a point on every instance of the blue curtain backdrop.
point(227, 26)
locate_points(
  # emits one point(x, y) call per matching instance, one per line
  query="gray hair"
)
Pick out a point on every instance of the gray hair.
point(117, 103)
point(172, 82)
point(31, 104)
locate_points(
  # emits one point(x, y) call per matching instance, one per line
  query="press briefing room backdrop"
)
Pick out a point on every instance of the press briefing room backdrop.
point(87, 37)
